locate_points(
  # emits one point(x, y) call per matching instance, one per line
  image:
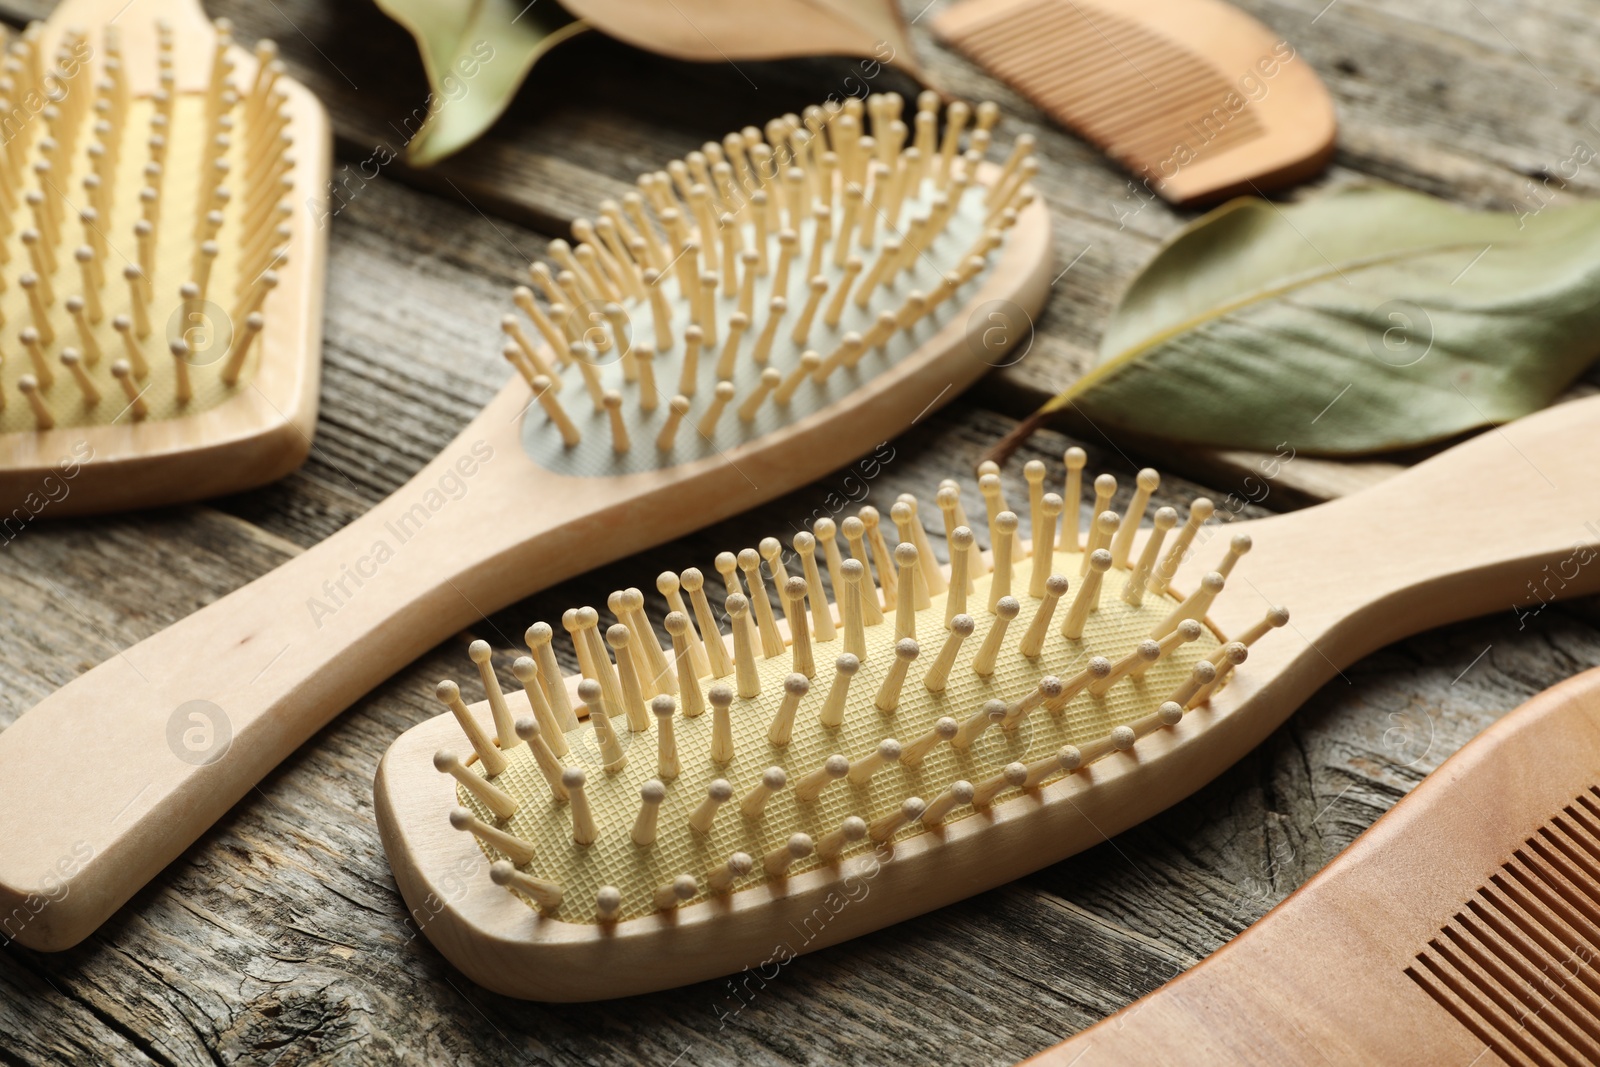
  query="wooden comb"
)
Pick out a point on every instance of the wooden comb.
point(164, 261)
point(1086, 756)
point(1199, 100)
point(651, 396)
point(1462, 927)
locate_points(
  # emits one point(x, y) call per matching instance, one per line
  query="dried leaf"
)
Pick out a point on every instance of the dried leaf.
point(476, 53)
point(729, 30)
point(1362, 321)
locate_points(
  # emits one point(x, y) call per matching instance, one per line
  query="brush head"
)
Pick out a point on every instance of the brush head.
point(983, 711)
point(756, 283)
point(161, 299)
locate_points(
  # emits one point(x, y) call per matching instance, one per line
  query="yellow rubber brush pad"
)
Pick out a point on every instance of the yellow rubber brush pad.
point(174, 265)
point(613, 859)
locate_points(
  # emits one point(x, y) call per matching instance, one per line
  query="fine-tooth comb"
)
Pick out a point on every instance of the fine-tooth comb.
point(656, 901)
point(1196, 98)
point(161, 262)
point(665, 396)
point(1465, 921)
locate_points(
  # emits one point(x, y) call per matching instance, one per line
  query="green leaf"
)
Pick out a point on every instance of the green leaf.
point(476, 53)
point(1362, 321)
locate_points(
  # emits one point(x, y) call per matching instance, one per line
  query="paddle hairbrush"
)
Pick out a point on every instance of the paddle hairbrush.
point(162, 261)
point(755, 315)
point(702, 891)
point(1463, 923)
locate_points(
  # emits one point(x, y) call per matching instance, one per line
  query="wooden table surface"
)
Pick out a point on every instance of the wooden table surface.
point(280, 938)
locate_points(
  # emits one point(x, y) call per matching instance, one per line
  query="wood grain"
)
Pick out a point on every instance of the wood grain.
point(279, 936)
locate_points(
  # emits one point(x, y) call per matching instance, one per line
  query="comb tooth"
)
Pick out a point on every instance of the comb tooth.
point(608, 903)
point(776, 863)
point(541, 891)
point(1088, 598)
point(848, 351)
point(719, 400)
point(749, 262)
point(1238, 546)
point(1067, 759)
point(42, 415)
point(795, 686)
point(1049, 689)
point(1194, 606)
point(738, 322)
point(1012, 777)
point(905, 617)
point(493, 797)
point(746, 677)
point(794, 610)
point(844, 668)
point(777, 307)
point(932, 576)
point(669, 586)
point(958, 794)
point(1142, 656)
point(528, 674)
point(944, 730)
point(956, 116)
point(961, 627)
point(1003, 537)
point(1005, 609)
point(41, 330)
point(720, 880)
point(716, 651)
point(1105, 528)
point(854, 531)
point(1199, 511)
point(450, 695)
point(1225, 660)
point(1105, 487)
point(955, 518)
point(821, 234)
point(765, 386)
point(620, 638)
point(544, 392)
point(605, 734)
point(888, 697)
point(880, 271)
point(1033, 472)
point(675, 893)
point(124, 376)
point(755, 802)
point(1055, 587)
point(849, 215)
point(816, 289)
point(1202, 674)
point(599, 665)
point(666, 740)
point(651, 794)
point(538, 637)
point(482, 655)
point(862, 770)
point(1147, 482)
point(660, 678)
point(644, 363)
point(1050, 506)
point(678, 626)
point(183, 392)
point(961, 542)
point(855, 641)
point(1094, 671)
point(74, 364)
point(717, 794)
point(810, 787)
point(853, 829)
point(788, 252)
point(882, 562)
point(821, 613)
point(886, 826)
point(529, 730)
point(241, 348)
point(75, 306)
point(804, 368)
point(721, 698)
point(514, 848)
point(1021, 149)
point(1133, 591)
point(583, 827)
point(1274, 618)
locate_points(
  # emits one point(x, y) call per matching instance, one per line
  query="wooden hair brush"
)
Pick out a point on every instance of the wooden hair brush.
point(162, 261)
point(598, 861)
point(1464, 922)
point(757, 314)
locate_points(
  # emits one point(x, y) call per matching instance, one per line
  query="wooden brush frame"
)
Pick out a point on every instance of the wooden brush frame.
point(1427, 547)
point(262, 432)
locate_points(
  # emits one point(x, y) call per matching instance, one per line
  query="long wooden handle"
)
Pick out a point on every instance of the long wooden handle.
point(118, 771)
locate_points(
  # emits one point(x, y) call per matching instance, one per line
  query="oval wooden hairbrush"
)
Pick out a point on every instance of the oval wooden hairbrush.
point(755, 315)
point(1464, 922)
point(599, 861)
point(163, 261)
